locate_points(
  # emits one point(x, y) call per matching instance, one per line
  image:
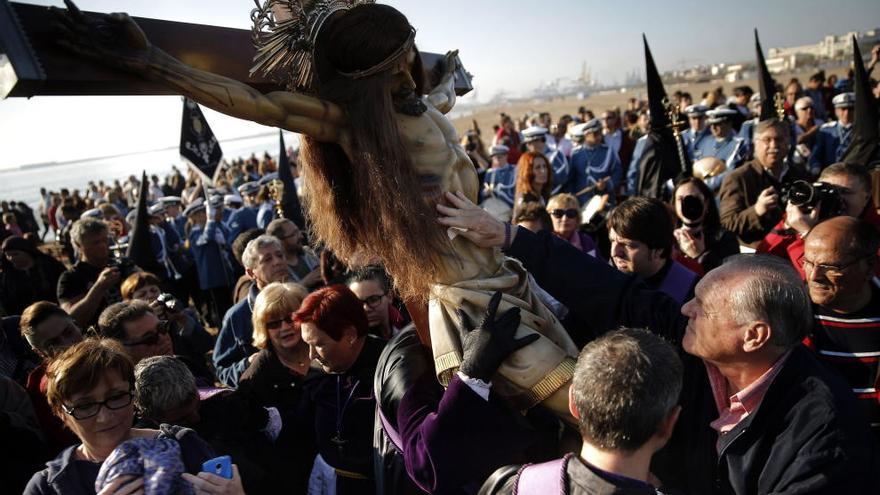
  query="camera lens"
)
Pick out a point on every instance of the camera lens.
point(801, 193)
point(692, 208)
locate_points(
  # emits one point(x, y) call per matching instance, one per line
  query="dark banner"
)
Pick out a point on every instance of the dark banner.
point(197, 142)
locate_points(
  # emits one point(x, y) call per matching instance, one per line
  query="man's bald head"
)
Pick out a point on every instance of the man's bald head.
point(839, 259)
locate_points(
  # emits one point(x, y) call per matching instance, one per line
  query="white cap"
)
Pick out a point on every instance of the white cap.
point(844, 100)
point(230, 199)
point(696, 110)
point(498, 149)
point(720, 114)
point(533, 133)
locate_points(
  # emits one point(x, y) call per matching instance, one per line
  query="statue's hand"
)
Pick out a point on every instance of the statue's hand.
point(109, 38)
point(450, 62)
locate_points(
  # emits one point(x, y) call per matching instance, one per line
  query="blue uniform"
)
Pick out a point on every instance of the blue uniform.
point(500, 183)
point(589, 165)
point(561, 170)
point(244, 218)
point(691, 140)
point(179, 224)
point(235, 341)
point(832, 141)
point(632, 174)
point(731, 150)
point(208, 246)
point(265, 214)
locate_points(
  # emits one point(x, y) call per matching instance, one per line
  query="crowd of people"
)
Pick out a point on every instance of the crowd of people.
point(701, 370)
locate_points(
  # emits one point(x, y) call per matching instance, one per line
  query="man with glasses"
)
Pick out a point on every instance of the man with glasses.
point(834, 138)
point(303, 265)
point(640, 231)
point(749, 196)
point(806, 127)
point(839, 261)
point(373, 288)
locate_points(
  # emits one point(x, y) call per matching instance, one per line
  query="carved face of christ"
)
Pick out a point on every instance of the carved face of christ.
point(403, 86)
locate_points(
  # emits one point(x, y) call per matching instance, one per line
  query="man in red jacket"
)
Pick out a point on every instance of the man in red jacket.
point(854, 185)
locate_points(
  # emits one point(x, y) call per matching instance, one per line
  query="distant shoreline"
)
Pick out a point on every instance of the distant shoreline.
point(33, 166)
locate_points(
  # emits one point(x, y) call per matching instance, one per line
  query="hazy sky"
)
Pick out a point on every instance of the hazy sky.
point(510, 45)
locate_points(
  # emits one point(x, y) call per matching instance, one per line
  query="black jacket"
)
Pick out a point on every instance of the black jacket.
point(806, 437)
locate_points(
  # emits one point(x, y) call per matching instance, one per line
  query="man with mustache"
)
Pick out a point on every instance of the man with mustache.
point(750, 204)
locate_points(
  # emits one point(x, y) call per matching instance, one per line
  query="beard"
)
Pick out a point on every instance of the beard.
point(405, 101)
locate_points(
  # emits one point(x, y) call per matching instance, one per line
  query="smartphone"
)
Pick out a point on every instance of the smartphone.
point(221, 466)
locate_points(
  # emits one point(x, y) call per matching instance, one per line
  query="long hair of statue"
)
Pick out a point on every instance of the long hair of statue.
point(374, 206)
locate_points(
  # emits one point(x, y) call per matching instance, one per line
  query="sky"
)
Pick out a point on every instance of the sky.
point(509, 45)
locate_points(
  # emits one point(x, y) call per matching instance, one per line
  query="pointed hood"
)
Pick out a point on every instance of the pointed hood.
point(656, 91)
point(766, 84)
point(140, 248)
point(865, 146)
point(660, 160)
point(290, 200)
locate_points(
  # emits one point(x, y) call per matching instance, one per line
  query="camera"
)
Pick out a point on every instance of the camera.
point(126, 266)
point(807, 196)
point(692, 210)
point(170, 302)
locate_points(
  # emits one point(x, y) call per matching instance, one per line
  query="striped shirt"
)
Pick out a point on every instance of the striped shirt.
point(850, 343)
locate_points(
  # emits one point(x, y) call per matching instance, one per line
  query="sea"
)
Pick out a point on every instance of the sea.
point(23, 183)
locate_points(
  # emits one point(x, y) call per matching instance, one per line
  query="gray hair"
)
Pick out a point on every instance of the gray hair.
point(85, 226)
point(625, 384)
point(162, 383)
point(251, 253)
point(772, 292)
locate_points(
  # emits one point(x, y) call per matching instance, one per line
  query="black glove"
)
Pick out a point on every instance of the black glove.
point(487, 346)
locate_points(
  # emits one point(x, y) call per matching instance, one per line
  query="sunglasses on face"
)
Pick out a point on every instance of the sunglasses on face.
point(569, 213)
point(164, 327)
point(276, 324)
point(374, 300)
point(86, 411)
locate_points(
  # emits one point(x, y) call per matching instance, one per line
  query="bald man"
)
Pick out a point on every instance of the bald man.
point(840, 255)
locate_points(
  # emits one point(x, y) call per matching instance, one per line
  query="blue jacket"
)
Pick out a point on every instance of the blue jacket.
point(731, 150)
point(235, 341)
point(589, 165)
point(210, 256)
point(500, 183)
point(632, 174)
point(265, 214)
point(560, 168)
point(691, 140)
point(832, 140)
point(244, 218)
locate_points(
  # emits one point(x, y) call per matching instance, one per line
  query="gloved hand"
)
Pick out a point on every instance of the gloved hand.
point(488, 345)
point(211, 211)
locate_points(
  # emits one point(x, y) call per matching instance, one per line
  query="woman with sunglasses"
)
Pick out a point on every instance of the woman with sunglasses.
point(534, 179)
point(90, 387)
point(565, 214)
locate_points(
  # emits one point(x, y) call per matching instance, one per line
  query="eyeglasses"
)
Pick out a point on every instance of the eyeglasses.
point(164, 327)
point(374, 300)
point(86, 411)
point(832, 271)
point(559, 213)
point(276, 324)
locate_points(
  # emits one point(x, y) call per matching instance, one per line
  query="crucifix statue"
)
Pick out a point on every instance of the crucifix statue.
point(377, 158)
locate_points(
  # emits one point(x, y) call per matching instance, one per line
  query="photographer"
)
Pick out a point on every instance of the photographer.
point(699, 235)
point(849, 194)
point(190, 340)
point(93, 282)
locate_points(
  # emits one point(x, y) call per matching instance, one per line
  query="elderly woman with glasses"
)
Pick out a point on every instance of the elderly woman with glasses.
point(281, 373)
point(91, 388)
point(565, 214)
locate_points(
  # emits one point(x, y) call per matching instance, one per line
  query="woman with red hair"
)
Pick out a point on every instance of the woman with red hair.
point(334, 325)
point(533, 178)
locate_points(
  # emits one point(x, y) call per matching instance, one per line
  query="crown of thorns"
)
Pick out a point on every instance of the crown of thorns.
point(284, 34)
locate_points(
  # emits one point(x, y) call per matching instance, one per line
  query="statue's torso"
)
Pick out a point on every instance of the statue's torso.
point(443, 165)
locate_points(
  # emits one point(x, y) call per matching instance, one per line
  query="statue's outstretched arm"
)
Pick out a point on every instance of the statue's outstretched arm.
point(115, 39)
point(442, 97)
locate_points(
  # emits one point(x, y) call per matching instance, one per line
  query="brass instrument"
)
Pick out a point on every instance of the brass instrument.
point(675, 124)
point(276, 192)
